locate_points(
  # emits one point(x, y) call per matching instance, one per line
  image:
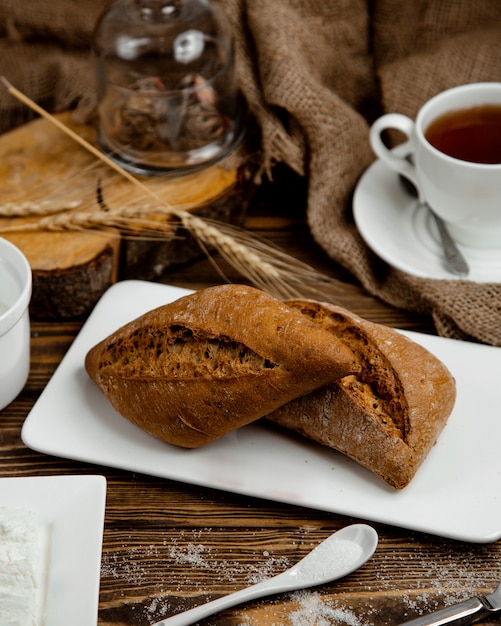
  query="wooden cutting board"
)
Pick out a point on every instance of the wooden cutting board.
point(72, 269)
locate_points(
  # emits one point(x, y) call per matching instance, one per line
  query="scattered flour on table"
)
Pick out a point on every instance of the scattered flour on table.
point(198, 555)
point(445, 581)
point(194, 555)
point(313, 611)
point(433, 582)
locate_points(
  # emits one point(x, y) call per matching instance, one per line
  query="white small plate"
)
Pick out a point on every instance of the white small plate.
point(454, 493)
point(73, 506)
point(404, 234)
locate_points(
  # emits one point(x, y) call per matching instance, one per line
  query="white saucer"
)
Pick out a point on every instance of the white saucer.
point(404, 234)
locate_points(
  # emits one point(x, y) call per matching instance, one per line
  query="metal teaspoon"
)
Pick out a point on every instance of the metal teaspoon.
point(455, 262)
point(339, 555)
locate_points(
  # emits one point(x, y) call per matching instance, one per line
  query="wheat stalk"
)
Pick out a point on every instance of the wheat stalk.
point(265, 266)
point(128, 222)
point(35, 209)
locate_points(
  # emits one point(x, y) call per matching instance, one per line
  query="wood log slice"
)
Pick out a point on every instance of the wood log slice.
point(71, 269)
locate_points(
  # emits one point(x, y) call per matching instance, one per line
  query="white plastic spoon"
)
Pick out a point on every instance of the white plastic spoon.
point(337, 556)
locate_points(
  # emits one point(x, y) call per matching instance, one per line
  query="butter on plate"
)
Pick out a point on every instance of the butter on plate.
point(24, 555)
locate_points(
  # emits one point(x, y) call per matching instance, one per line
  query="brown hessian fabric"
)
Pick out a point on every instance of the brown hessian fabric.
point(315, 74)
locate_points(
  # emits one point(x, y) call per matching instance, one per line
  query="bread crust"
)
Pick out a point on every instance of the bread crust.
point(389, 415)
point(195, 369)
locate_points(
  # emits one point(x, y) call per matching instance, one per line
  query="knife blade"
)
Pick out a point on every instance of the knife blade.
point(466, 612)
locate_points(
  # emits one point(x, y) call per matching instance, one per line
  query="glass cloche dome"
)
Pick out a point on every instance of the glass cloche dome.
point(168, 101)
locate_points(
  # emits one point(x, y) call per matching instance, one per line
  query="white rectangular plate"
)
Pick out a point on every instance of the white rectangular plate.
point(455, 494)
point(73, 506)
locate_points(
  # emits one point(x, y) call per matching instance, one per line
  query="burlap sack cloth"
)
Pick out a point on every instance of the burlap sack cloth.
point(315, 74)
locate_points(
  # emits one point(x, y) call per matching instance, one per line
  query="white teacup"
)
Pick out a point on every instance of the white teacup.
point(464, 192)
point(15, 294)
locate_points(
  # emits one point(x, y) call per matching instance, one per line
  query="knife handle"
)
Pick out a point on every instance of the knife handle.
point(466, 612)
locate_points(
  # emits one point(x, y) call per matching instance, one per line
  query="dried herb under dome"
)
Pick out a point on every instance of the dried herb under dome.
point(168, 98)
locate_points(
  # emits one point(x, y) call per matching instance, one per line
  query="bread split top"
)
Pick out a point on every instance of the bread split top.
point(210, 362)
point(389, 414)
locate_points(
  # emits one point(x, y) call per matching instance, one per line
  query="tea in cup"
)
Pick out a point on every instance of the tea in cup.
point(15, 294)
point(455, 143)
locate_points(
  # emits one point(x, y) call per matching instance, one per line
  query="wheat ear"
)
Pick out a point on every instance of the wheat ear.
point(265, 266)
point(128, 223)
point(35, 209)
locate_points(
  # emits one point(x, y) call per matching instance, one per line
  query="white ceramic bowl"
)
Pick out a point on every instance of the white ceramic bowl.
point(15, 294)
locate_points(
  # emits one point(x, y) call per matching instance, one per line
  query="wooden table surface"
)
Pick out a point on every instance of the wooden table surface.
point(168, 546)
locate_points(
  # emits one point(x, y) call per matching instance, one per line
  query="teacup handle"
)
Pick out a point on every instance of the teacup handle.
point(397, 163)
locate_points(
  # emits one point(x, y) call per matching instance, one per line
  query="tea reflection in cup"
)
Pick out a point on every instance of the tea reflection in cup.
point(456, 146)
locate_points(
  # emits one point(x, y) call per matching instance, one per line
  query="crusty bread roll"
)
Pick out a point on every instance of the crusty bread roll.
point(388, 416)
point(208, 363)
